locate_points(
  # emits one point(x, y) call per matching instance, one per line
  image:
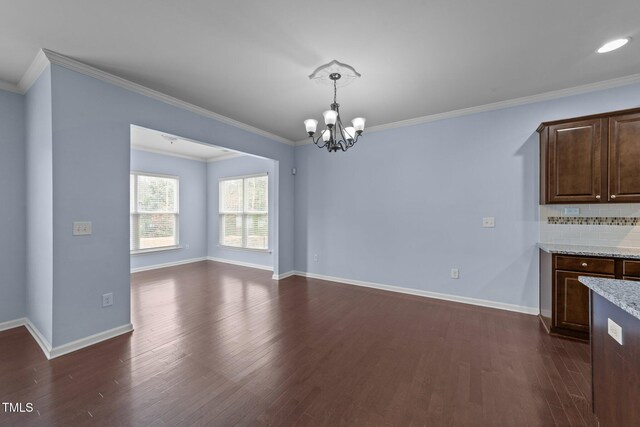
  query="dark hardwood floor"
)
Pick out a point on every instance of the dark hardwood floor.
point(217, 344)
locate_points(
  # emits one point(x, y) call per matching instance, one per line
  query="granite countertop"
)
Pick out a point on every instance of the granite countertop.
point(603, 251)
point(623, 293)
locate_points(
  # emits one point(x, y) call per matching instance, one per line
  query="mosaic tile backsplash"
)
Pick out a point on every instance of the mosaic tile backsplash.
point(615, 225)
point(594, 220)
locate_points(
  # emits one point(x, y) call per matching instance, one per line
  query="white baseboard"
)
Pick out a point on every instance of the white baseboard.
point(90, 340)
point(240, 263)
point(54, 352)
point(428, 294)
point(13, 324)
point(44, 344)
point(283, 275)
point(167, 264)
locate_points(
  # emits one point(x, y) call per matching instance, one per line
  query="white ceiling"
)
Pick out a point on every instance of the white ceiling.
point(158, 142)
point(249, 60)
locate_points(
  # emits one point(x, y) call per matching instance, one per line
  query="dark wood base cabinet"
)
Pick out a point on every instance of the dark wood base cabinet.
point(564, 301)
point(615, 367)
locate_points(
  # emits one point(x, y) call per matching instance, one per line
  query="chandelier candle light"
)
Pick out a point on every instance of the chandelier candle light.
point(335, 136)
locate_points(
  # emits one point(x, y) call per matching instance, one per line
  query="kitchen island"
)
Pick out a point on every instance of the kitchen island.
point(615, 350)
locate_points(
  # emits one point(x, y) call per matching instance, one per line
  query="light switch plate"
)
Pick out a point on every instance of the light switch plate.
point(488, 222)
point(615, 331)
point(82, 228)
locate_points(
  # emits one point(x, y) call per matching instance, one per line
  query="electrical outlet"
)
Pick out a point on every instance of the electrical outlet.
point(615, 331)
point(81, 228)
point(107, 300)
point(488, 222)
point(571, 211)
point(315, 257)
point(455, 273)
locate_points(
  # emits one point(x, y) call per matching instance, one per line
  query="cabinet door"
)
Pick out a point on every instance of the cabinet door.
point(576, 162)
point(572, 301)
point(624, 158)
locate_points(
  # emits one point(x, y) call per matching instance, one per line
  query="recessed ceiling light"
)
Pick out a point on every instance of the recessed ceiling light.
point(613, 45)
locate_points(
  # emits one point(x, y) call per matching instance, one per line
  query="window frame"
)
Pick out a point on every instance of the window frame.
point(244, 214)
point(137, 214)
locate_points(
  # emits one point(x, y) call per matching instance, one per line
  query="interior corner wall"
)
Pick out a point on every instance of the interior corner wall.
point(13, 193)
point(39, 200)
point(91, 160)
point(408, 203)
point(192, 227)
point(237, 166)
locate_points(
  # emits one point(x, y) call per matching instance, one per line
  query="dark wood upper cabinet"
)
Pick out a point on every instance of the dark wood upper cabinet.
point(624, 158)
point(591, 159)
point(575, 162)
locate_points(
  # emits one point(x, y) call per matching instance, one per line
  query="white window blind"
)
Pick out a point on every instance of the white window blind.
point(244, 212)
point(154, 213)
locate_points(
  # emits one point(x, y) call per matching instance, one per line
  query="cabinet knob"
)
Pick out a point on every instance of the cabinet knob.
point(613, 196)
point(598, 196)
point(584, 264)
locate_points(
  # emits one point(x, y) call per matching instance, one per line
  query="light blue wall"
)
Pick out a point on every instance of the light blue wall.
point(13, 190)
point(401, 208)
point(40, 231)
point(91, 122)
point(405, 205)
point(193, 206)
point(245, 165)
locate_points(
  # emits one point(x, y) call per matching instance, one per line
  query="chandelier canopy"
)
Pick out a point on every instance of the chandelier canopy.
point(335, 136)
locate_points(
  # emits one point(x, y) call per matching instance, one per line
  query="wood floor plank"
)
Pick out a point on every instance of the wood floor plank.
point(217, 344)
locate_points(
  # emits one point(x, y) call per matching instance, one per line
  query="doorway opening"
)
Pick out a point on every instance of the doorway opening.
point(192, 201)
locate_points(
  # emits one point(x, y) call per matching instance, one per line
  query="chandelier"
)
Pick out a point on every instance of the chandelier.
point(335, 136)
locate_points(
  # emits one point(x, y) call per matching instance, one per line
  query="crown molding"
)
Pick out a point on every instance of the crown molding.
point(9, 87)
point(546, 96)
point(38, 65)
point(46, 57)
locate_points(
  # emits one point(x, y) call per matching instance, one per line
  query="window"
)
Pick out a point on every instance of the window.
point(244, 212)
point(154, 212)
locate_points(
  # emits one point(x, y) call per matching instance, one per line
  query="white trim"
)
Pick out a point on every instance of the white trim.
point(46, 56)
point(243, 249)
point(153, 250)
point(154, 175)
point(10, 87)
point(89, 341)
point(428, 294)
point(10, 324)
point(37, 66)
point(283, 275)
point(44, 344)
point(275, 218)
point(234, 178)
point(546, 96)
point(167, 264)
point(54, 352)
point(72, 64)
point(240, 263)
